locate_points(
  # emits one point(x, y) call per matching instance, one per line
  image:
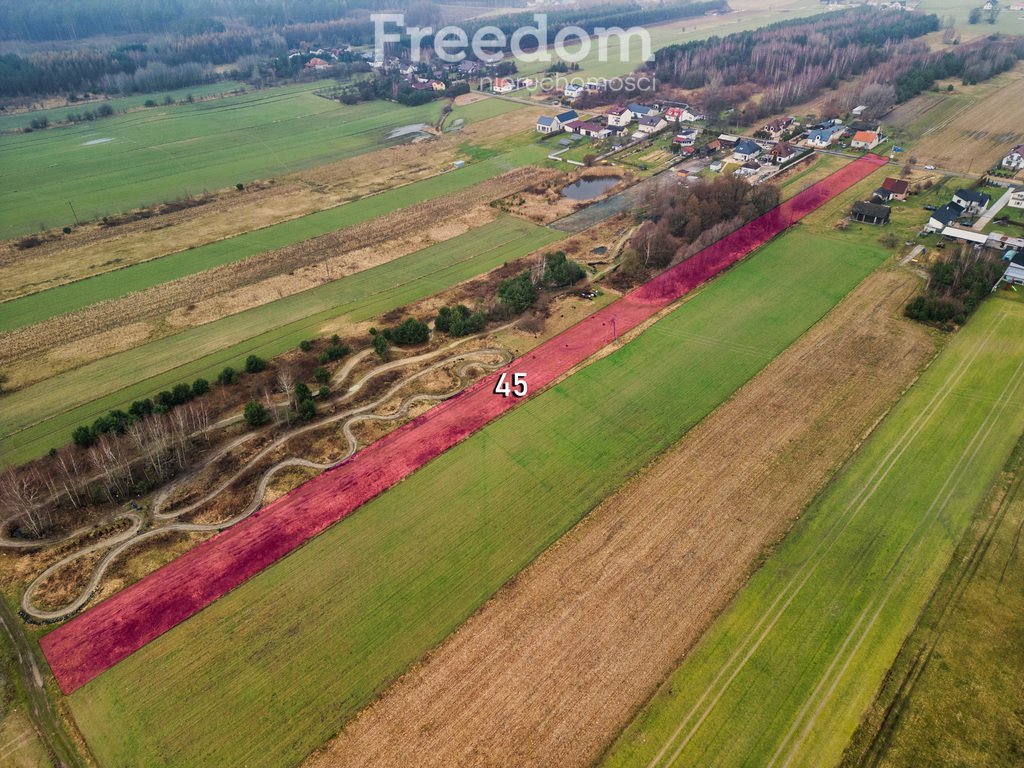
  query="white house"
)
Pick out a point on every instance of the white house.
point(971, 200)
point(824, 137)
point(944, 217)
point(1016, 198)
point(1015, 160)
point(619, 117)
point(746, 150)
point(651, 124)
point(1015, 270)
point(572, 91)
point(866, 140)
point(546, 124)
point(503, 85)
point(639, 110)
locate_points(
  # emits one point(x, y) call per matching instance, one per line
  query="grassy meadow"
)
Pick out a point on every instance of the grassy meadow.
point(156, 154)
point(15, 121)
point(786, 674)
point(41, 416)
point(253, 680)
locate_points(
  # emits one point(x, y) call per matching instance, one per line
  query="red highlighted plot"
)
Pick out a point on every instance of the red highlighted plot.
point(87, 645)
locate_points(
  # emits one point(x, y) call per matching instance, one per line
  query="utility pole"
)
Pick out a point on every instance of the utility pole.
point(73, 212)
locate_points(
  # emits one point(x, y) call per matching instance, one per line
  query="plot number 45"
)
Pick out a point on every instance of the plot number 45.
point(514, 385)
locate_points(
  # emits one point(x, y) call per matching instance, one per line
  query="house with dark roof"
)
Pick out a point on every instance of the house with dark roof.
point(820, 138)
point(651, 123)
point(567, 117)
point(896, 188)
point(783, 152)
point(746, 150)
point(640, 110)
point(619, 117)
point(944, 217)
point(871, 213)
point(585, 128)
point(972, 201)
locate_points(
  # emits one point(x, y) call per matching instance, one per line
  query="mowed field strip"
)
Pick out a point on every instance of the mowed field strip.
point(37, 307)
point(784, 677)
point(558, 662)
point(166, 152)
point(42, 415)
point(416, 562)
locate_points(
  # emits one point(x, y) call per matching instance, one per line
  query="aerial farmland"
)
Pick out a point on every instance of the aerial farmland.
point(379, 389)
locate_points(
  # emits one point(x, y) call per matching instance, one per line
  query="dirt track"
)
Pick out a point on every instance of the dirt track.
point(557, 663)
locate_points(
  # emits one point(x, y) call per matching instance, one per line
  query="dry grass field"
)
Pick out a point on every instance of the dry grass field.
point(325, 258)
point(968, 130)
point(553, 666)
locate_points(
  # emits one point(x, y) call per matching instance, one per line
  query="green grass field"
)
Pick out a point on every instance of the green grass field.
point(40, 306)
point(946, 699)
point(273, 669)
point(19, 120)
point(165, 152)
point(38, 417)
point(785, 675)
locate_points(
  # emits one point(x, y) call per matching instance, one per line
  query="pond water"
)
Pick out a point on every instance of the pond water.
point(588, 189)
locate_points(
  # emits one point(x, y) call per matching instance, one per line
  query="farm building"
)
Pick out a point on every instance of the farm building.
point(746, 150)
point(871, 213)
point(546, 124)
point(1014, 160)
point(728, 140)
point(1015, 269)
point(943, 217)
point(866, 140)
point(619, 117)
point(971, 200)
point(651, 124)
point(965, 235)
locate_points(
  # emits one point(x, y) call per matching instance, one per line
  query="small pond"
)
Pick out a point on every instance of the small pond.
point(588, 189)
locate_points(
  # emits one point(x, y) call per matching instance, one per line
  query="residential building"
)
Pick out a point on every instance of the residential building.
point(944, 217)
point(821, 138)
point(567, 116)
point(866, 140)
point(972, 201)
point(1015, 269)
point(783, 153)
point(1016, 198)
point(749, 168)
point(746, 150)
point(585, 128)
point(619, 117)
point(573, 91)
point(1014, 161)
point(546, 124)
point(651, 123)
point(503, 85)
point(639, 110)
point(776, 128)
point(897, 189)
point(716, 166)
point(317, 63)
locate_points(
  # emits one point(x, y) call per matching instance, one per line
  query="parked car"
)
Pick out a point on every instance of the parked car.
point(931, 207)
point(929, 167)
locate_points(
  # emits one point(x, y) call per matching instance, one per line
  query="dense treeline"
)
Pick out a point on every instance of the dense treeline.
point(681, 221)
point(790, 62)
point(76, 19)
point(957, 284)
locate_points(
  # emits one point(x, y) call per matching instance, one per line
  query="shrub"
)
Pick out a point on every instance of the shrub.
point(302, 392)
point(307, 410)
point(200, 387)
point(333, 352)
point(381, 346)
point(561, 271)
point(305, 345)
point(83, 437)
point(324, 392)
point(255, 414)
point(254, 364)
point(409, 331)
point(239, 186)
point(66, 230)
point(228, 376)
point(321, 375)
point(517, 294)
point(459, 320)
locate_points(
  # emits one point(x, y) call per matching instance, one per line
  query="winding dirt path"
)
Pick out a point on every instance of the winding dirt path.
point(485, 359)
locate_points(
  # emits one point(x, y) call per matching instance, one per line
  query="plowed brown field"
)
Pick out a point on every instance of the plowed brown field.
point(550, 669)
